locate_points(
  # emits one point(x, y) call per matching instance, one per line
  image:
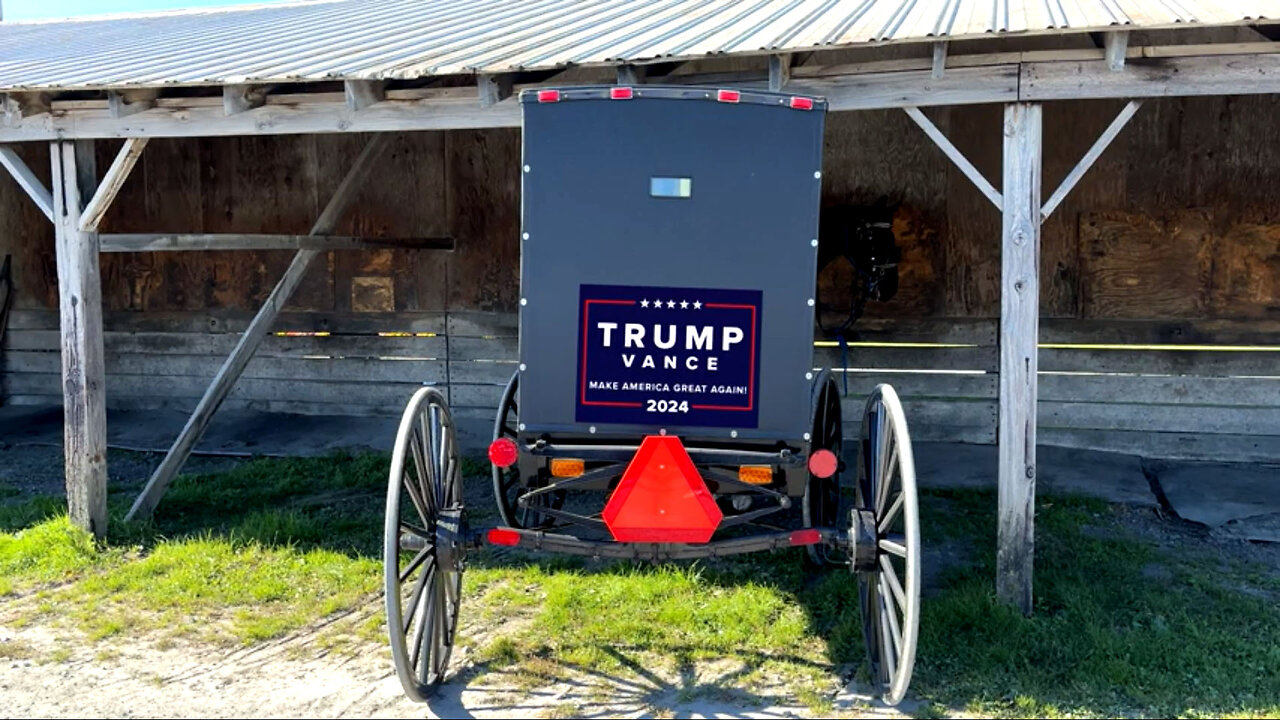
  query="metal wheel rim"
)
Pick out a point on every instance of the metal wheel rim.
point(422, 596)
point(821, 504)
point(507, 486)
point(889, 595)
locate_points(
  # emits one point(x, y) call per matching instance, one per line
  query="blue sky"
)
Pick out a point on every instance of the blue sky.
point(32, 9)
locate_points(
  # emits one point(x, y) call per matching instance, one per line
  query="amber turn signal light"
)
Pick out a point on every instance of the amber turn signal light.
point(567, 467)
point(755, 474)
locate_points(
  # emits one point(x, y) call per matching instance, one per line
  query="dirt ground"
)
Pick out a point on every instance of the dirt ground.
point(53, 673)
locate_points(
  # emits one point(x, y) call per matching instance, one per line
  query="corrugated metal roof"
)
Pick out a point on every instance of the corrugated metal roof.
point(373, 39)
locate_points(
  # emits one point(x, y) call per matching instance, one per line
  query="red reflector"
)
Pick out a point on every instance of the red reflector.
point(509, 538)
point(548, 96)
point(662, 497)
point(620, 93)
point(503, 452)
point(728, 96)
point(823, 463)
point(802, 103)
point(801, 537)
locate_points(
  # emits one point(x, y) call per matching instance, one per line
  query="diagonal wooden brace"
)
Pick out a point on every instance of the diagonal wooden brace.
point(1090, 157)
point(39, 194)
point(253, 336)
point(111, 183)
point(957, 157)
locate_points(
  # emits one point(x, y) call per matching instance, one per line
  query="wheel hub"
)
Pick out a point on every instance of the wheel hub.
point(451, 546)
point(862, 540)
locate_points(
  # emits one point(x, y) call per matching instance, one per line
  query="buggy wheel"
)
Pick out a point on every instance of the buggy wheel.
point(507, 485)
point(423, 551)
point(886, 532)
point(821, 505)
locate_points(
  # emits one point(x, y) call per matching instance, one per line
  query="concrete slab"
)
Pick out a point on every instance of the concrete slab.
point(1110, 476)
point(1216, 494)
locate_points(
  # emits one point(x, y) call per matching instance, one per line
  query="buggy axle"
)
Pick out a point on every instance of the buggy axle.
point(662, 552)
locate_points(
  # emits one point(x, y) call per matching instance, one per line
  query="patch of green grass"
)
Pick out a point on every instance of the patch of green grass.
point(49, 552)
point(1104, 638)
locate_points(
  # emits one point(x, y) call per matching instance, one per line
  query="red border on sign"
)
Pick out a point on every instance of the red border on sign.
point(586, 311)
point(751, 380)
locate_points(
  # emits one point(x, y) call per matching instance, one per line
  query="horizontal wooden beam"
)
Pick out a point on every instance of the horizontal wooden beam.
point(1145, 77)
point(31, 184)
point(1149, 71)
point(166, 242)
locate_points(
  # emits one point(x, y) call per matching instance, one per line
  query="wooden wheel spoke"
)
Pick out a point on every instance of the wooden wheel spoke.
point(891, 577)
point(417, 445)
point(890, 515)
point(416, 562)
point(891, 614)
point(417, 531)
point(423, 613)
point(893, 547)
point(888, 458)
point(440, 631)
point(888, 653)
point(412, 609)
point(419, 505)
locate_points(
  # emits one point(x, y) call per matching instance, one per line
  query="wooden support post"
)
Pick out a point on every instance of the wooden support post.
point(130, 102)
point(28, 180)
point(83, 369)
point(779, 72)
point(111, 182)
point(629, 75)
point(242, 98)
point(361, 94)
point(18, 106)
point(494, 89)
point(1116, 45)
point(939, 60)
point(254, 334)
point(1019, 327)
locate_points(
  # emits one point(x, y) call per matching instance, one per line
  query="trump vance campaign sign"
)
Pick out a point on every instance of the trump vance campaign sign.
point(669, 356)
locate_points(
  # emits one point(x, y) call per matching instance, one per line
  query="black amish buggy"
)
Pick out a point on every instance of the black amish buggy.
point(665, 405)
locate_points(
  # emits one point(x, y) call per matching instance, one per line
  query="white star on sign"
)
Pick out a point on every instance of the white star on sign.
point(684, 304)
point(644, 303)
point(671, 303)
point(697, 305)
point(657, 304)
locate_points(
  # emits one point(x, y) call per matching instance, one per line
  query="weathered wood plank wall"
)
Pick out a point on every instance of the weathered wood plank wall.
point(1171, 239)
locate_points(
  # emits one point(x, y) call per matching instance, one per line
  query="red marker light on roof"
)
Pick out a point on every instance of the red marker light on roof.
point(729, 96)
point(548, 96)
point(802, 103)
point(620, 93)
point(503, 452)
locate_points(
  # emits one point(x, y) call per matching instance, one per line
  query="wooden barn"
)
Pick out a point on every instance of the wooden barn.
point(314, 207)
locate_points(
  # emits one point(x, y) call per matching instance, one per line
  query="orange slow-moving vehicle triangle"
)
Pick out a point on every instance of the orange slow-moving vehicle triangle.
point(662, 497)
